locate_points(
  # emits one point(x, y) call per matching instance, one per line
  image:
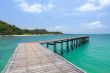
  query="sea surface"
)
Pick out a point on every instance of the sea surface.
point(93, 57)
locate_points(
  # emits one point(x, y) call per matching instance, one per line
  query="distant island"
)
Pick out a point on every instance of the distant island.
point(8, 29)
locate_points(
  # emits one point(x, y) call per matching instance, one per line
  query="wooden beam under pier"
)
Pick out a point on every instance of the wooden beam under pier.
point(75, 42)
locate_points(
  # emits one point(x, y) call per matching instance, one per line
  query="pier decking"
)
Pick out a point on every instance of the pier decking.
point(34, 58)
point(65, 39)
point(74, 42)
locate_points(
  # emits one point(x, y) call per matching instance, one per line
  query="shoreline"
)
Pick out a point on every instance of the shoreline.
point(25, 35)
point(30, 35)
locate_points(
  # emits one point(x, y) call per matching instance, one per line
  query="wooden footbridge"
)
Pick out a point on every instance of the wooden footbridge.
point(34, 58)
point(74, 42)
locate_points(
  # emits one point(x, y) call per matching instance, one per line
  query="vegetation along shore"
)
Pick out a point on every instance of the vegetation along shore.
point(7, 29)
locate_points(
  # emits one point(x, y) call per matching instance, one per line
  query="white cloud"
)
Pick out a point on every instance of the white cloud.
point(92, 5)
point(96, 25)
point(93, 27)
point(62, 28)
point(84, 28)
point(104, 3)
point(87, 7)
point(34, 8)
point(50, 6)
point(92, 0)
point(58, 27)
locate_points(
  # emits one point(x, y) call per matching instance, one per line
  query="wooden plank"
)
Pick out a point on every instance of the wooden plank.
point(34, 58)
point(65, 39)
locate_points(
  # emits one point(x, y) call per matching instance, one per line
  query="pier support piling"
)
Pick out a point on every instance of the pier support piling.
point(67, 45)
point(47, 45)
point(62, 47)
point(55, 49)
point(70, 43)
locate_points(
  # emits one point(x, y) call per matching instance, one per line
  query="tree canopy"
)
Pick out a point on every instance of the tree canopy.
point(7, 29)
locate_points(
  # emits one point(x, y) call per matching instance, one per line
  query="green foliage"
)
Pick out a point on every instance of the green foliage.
point(7, 29)
point(55, 32)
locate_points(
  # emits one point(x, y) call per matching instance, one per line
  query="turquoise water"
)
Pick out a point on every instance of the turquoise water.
point(93, 57)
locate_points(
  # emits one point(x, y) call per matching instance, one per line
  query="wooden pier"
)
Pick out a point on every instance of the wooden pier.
point(74, 42)
point(34, 58)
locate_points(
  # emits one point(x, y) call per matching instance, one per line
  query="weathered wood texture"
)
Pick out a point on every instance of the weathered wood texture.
point(65, 39)
point(34, 58)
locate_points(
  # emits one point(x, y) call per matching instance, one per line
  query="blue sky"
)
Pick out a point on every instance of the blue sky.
point(68, 16)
